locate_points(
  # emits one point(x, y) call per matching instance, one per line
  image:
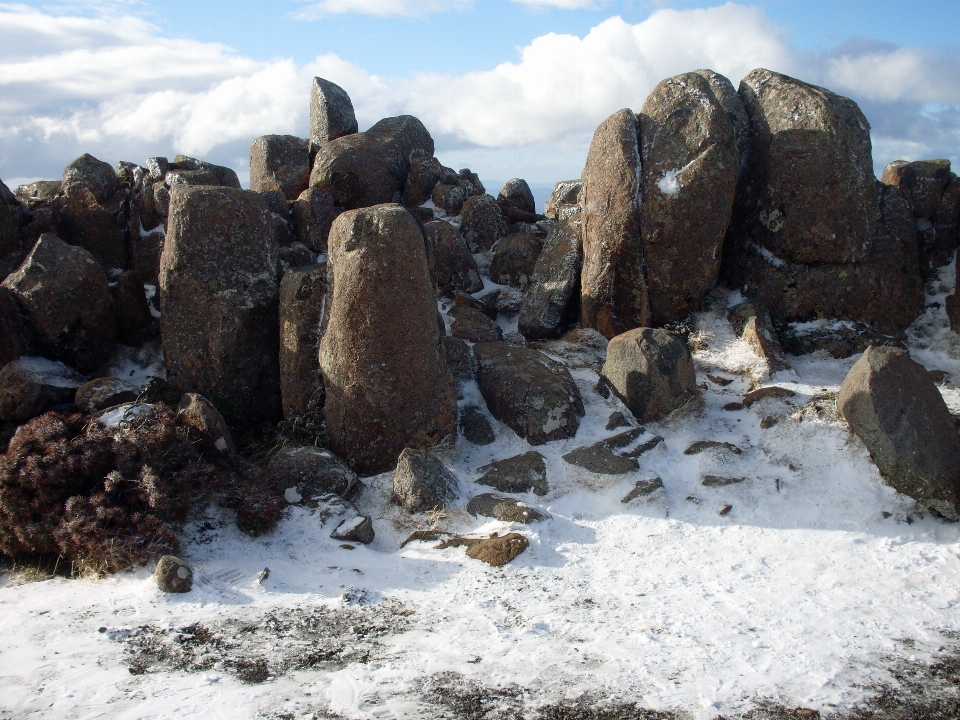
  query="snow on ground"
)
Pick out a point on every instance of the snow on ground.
point(816, 578)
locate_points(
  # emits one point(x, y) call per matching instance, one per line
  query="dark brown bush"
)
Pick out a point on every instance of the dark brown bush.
point(110, 498)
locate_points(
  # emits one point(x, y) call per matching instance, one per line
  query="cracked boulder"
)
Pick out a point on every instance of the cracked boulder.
point(529, 392)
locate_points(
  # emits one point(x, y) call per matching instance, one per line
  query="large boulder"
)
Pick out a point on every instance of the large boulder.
point(516, 193)
point(421, 482)
point(382, 310)
point(482, 223)
point(30, 385)
point(303, 292)
point(529, 392)
point(690, 161)
point(331, 113)
point(893, 405)
point(515, 258)
point(471, 324)
point(219, 292)
point(91, 210)
point(953, 303)
point(65, 297)
point(280, 162)
point(313, 213)
point(452, 267)
point(370, 168)
point(612, 286)
point(186, 170)
point(564, 201)
point(554, 285)
point(651, 371)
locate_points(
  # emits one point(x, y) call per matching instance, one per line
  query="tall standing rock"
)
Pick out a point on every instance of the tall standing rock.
point(331, 113)
point(726, 95)
point(891, 402)
point(66, 300)
point(280, 162)
point(555, 281)
point(302, 294)
point(219, 291)
point(370, 168)
point(387, 385)
point(613, 286)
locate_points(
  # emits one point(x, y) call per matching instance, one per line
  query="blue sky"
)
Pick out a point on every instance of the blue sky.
point(507, 87)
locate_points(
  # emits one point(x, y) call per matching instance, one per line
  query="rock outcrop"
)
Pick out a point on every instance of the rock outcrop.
point(219, 291)
point(313, 213)
point(302, 294)
point(331, 113)
point(893, 405)
point(382, 310)
point(452, 267)
point(564, 201)
point(553, 291)
point(280, 162)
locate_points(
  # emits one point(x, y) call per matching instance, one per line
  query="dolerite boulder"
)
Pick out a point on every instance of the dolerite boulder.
point(382, 310)
point(219, 292)
point(103, 393)
point(471, 324)
point(173, 575)
point(452, 267)
point(564, 201)
point(459, 358)
point(135, 323)
point(331, 113)
point(554, 286)
point(934, 196)
point(30, 385)
point(612, 286)
point(310, 472)
point(651, 371)
point(302, 294)
point(15, 338)
point(371, 167)
point(514, 259)
point(313, 213)
point(726, 95)
point(206, 424)
point(91, 210)
point(65, 297)
point(689, 158)
point(482, 223)
point(893, 405)
point(450, 198)
point(516, 194)
point(186, 170)
point(532, 394)
point(421, 482)
point(280, 162)
point(424, 175)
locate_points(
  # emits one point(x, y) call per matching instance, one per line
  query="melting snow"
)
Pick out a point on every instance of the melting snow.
point(668, 184)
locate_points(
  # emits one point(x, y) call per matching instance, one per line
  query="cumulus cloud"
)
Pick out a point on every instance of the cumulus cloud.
point(117, 84)
point(380, 8)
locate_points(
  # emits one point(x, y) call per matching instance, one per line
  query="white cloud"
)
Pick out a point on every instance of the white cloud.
point(380, 8)
point(898, 74)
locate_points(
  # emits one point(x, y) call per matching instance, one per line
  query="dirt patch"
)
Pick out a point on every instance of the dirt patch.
point(257, 649)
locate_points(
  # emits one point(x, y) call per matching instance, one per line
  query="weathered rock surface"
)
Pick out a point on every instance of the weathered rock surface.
point(201, 416)
point(516, 193)
point(753, 324)
point(553, 292)
point(65, 297)
point(421, 482)
point(690, 165)
point(280, 162)
point(503, 509)
point(424, 175)
point(517, 474)
point(475, 427)
point(15, 337)
point(497, 550)
point(382, 310)
point(331, 113)
point(471, 324)
point(173, 575)
point(893, 405)
point(356, 529)
point(459, 358)
point(564, 201)
point(219, 292)
point(450, 198)
point(186, 170)
point(313, 213)
point(726, 95)
point(311, 473)
point(651, 371)
point(532, 394)
point(452, 267)
point(482, 223)
point(12, 217)
point(103, 393)
point(613, 289)
point(370, 168)
point(30, 385)
point(302, 294)
point(515, 259)
point(135, 323)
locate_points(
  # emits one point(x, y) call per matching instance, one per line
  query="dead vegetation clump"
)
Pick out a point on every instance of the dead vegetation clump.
point(104, 499)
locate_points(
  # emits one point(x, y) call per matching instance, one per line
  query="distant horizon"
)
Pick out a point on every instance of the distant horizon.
point(509, 88)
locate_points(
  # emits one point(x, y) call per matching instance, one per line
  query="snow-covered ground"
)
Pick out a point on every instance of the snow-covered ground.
point(814, 583)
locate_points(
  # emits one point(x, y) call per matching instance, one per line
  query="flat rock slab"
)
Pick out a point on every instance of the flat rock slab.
point(599, 459)
point(643, 488)
point(497, 550)
point(504, 509)
point(720, 480)
point(518, 474)
point(701, 445)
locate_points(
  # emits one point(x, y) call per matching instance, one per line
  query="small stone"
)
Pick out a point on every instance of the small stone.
point(475, 427)
point(733, 406)
point(616, 420)
point(421, 482)
point(701, 445)
point(719, 380)
point(496, 550)
point(173, 575)
point(726, 510)
point(356, 529)
point(104, 393)
point(598, 459)
point(503, 509)
point(720, 480)
point(263, 575)
point(642, 488)
point(768, 422)
point(766, 392)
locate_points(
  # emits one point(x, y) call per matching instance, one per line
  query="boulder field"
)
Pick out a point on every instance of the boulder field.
point(373, 304)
